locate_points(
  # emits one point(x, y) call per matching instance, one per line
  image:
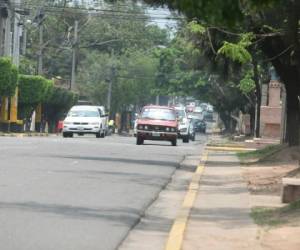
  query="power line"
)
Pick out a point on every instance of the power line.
point(135, 14)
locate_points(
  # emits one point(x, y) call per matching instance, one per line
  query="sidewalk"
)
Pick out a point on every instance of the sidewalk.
point(217, 217)
point(220, 218)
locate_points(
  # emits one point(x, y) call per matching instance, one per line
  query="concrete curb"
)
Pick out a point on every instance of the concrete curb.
point(152, 201)
point(233, 149)
point(176, 234)
point(20, 135)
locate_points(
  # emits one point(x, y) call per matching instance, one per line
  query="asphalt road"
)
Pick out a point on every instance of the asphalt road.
point(79, 193)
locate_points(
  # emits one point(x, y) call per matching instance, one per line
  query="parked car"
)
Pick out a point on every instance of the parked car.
point(200, 125)
point(208, 116)
point(157, 123)
point(192, 132)
point(184, 124)
point(104, 117)
point(84, 120)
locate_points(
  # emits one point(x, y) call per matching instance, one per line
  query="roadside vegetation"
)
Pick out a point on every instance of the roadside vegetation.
point(219, 52)
point(275, 217)
point(259, 155)
point(240, 40)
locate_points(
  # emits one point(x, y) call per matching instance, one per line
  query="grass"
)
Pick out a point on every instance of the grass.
point(274, 217)
point(259, 154)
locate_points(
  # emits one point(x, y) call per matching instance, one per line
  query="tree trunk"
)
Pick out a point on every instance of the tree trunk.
point(252, 120)
point(293, 114)
point(226, 119)
point(258, 98)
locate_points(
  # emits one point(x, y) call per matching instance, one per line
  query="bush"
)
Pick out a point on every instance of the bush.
point(58, 104)
point(8, 77)
point(32, 91)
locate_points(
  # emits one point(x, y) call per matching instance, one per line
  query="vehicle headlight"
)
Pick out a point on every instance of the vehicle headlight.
point(146, 127)
point(183, 130)
point(167, 129)
point(173, 129)
point(94, 123)
point(140, 127)
point(67, 123)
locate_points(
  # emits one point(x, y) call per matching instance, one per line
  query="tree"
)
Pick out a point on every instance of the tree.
point(32, 91)
point(187, 68)
point(8, 77)
point(57, 104)
point(275, 24)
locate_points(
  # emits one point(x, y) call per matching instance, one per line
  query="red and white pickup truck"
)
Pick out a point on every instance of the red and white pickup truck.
point(157, 123)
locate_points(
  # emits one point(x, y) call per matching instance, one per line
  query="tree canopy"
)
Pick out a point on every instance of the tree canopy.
point(32, 91)
point(8, 77)
point(274, 25)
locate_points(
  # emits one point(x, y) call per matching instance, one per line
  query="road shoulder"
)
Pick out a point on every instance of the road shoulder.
point(153, 230)
point(220, 218)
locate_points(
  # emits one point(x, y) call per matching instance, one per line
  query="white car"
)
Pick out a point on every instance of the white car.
point(104, 118)
point(84, 120)
point(184, 125)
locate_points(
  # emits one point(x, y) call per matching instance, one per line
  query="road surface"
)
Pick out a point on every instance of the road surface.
point(80, 193)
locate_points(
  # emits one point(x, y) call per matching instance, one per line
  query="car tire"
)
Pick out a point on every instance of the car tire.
point(102, 134)
point(185, 139)
point(98, 134)
point(139, 140)
point(174, 142)
point(65, 134)
point(193, 137)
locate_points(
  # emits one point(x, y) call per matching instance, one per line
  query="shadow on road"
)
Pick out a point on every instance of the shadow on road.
point(122, 215)
point(122, 160)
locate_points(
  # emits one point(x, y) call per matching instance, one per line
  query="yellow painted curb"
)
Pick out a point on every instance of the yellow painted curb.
point(176, 234)
point(21, 135)
point(230, 145)
point(234, 149)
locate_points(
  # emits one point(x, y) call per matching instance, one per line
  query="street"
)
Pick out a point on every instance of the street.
point(82, 192)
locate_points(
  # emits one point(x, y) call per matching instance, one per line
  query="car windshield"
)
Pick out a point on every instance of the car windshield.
point(83, 113)
point(180, 114)
point(158, 114)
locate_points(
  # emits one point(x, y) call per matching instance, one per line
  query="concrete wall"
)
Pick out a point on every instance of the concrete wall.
point(271, 112)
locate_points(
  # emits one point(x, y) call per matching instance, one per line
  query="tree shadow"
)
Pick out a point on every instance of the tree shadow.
point(222, 163)
point(225, 217)
point(121, 215)
point(115, 159)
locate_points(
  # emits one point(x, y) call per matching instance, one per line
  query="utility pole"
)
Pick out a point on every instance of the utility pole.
point(16, 37)
point(110, 83)
point(6, 52)
point(8, 35)
point(157, 100)
point(40, 53)
point(24, 43)
point(75, 43)
point(13, 117)
point(38, 19)
point(2, 24)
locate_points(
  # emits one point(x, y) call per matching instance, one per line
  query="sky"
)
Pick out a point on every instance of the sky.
point(160, 15)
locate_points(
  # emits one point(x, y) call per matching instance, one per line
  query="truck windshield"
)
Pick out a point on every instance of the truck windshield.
point(83, 113)
point(158, 114)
